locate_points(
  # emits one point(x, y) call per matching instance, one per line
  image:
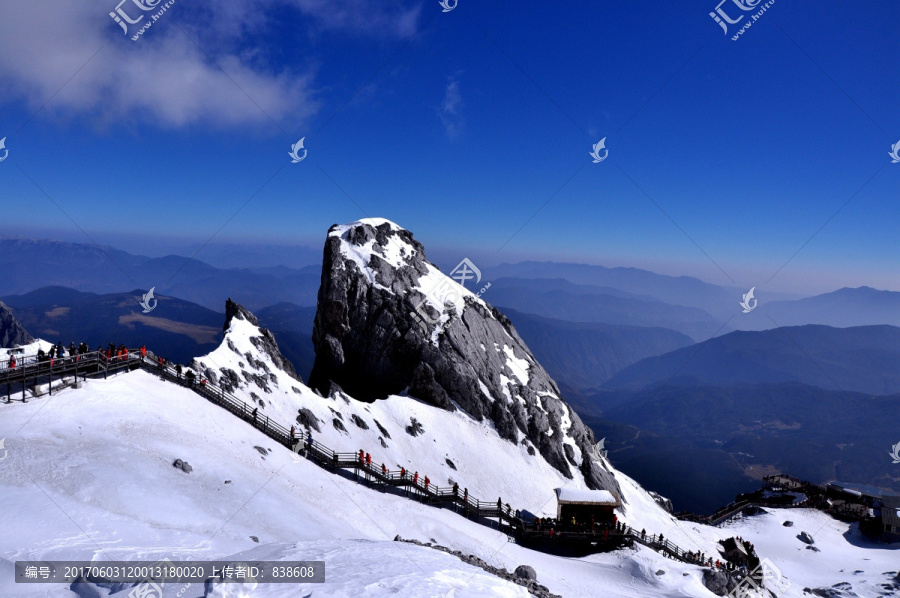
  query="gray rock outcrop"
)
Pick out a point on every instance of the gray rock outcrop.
point(526, 572)
point(718, 582)
point(389, 322)
point(11, 332)
point(662, 501)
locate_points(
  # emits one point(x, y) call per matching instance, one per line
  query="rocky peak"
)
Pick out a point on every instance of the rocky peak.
point(235, 310)
point(389, 322)
point(11, 332)
point(248, 356)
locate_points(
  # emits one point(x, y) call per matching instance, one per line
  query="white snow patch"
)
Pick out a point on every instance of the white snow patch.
point(519, 367)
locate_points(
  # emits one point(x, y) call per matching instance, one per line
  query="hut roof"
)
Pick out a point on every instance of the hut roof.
point(586, 497)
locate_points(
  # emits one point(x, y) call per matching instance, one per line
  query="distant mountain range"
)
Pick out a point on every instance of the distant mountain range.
point(292, 326)
point(176, 329)
point(862, 359)
point(686, 291)
point(725, 438)
point(584, 355)
point(28, 265)
point(863, 306)
point(563, 291)
point(563, 300)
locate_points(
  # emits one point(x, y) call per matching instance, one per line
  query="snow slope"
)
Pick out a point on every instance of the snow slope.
point(491, 467)
point(487, 465)
point(83, 489)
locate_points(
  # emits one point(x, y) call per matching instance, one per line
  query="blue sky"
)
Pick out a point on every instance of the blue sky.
point(471, 128)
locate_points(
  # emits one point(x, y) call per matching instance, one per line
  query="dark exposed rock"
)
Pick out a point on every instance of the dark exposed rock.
point(375, 335)
point(11, 332)
point(662, 501)
point(383, 443)
point(381, 429)
point(806, 538)
point(526, 572)
point(255, 539)
point(718, 582)
point(360, 423)
point(338, 425)
point(261, 450)
point(838, 590)
point(450, 463)
point(307, 419)
point(183, 466)
point(788, 524)
point(414, 428)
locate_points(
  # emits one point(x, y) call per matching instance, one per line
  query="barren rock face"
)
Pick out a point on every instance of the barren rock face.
point(390, 322)
point(11, 332)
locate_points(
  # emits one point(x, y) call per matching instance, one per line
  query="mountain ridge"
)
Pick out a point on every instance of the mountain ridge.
point(853, 359)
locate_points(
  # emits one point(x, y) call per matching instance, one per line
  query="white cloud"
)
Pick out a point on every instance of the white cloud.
point(165, 78)
point(387, 18)
point(451, 108)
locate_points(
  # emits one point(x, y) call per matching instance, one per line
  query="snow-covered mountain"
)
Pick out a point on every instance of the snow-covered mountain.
point(88, 475)
point(400, 431)
point(390, 322)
